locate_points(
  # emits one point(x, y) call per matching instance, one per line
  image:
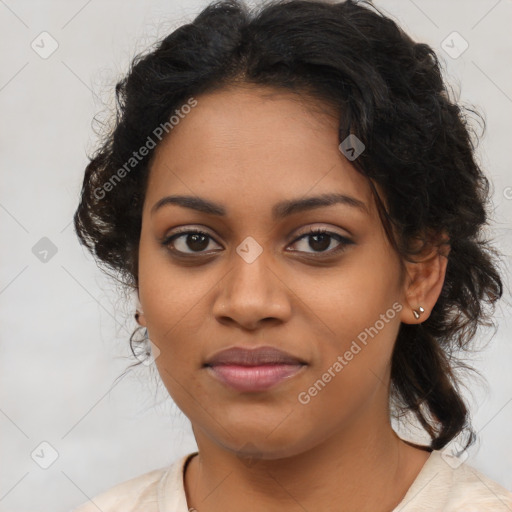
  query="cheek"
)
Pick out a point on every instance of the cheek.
point(352, 364)
point(167, 292)
point(355, 313)
point(345, 302)
point(171, 301)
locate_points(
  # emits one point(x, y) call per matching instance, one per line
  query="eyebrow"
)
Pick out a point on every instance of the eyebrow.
point(279, 210)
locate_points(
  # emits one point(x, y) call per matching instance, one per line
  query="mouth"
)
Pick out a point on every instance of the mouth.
point(253, 370)
point(254, 378)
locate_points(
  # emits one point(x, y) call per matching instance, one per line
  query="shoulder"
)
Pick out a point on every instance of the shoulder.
point(445, 483)
point(138, 493)
point(472, 491)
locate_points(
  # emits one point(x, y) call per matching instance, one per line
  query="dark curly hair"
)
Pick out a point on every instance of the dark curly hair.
point(388, 91)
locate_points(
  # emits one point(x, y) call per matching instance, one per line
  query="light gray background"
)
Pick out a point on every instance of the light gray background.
point(64, 326)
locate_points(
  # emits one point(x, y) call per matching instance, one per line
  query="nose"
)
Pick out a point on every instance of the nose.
point(251, 294)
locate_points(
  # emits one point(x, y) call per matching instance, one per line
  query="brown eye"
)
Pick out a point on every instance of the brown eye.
point(320, 241)
point(188, 242)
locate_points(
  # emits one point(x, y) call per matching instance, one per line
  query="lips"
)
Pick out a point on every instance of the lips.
point(253, 370)
point(253, 357)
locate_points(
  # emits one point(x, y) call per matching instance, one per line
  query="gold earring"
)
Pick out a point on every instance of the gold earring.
point(418, 313)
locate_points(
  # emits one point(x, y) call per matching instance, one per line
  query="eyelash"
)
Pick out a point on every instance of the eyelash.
point(343, 241)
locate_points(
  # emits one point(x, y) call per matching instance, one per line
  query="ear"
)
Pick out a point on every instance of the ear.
point(139, 315)
point(424, 281)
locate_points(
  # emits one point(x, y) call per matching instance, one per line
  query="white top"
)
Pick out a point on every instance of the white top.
point(444, 484)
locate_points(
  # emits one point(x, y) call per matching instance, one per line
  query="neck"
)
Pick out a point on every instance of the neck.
point(357, 470)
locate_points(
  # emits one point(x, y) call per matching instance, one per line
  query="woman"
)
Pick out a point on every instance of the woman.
point(294, 198)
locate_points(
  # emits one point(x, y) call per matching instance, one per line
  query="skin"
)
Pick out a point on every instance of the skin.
point(248, 148)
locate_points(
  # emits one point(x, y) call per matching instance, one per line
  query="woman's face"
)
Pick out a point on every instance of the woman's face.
point(256, 278)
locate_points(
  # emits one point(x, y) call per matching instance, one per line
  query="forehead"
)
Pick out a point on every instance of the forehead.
point(254, 144)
